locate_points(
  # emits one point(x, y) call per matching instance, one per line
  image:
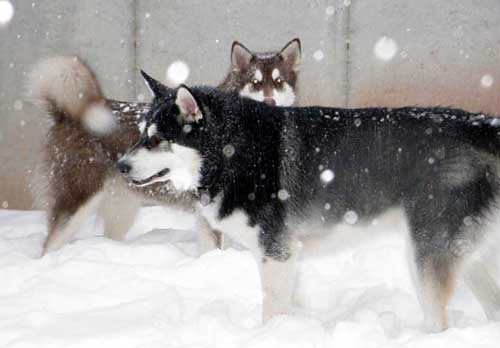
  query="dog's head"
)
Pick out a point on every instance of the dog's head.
point(170, 135)
point(268, 77)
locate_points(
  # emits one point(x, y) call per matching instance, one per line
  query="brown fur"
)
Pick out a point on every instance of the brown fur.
point(245, 63)
point(77, 164)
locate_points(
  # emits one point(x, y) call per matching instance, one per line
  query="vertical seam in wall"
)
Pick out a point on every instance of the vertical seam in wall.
point(135, 36)
point(347, 58)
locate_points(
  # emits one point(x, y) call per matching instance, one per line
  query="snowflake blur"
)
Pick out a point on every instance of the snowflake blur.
point(283, 195)
point(487, 81)
point(385, 48)
point(6, 12)
point(350, 217)
point(326, 176)
point(177, 73)
point(99, 120)
point(318, 55)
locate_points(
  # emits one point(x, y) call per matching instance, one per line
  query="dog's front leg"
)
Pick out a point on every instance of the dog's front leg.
point(208, 239)
point(278, 269)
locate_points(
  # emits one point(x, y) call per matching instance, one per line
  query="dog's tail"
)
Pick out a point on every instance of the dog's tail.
point(66, 89)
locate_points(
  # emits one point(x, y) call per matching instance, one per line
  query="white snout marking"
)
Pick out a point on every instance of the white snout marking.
point(184, 165)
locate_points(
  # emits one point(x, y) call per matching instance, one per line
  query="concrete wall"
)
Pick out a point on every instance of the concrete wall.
point(441, 51)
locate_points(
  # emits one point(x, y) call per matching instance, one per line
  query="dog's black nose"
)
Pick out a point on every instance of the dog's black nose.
point(123, 167)
point(270, 101)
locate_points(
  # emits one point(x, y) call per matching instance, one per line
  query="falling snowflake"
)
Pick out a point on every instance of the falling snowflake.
point(468, 221)
point(18, 105)
point(357, 122)
point(99, 120)
point(318, 55)
point(486, 81)
point(283, 195)
point(5, 204)
point(6, 12)
point(385, 48)
point(459, 247)
point(204, 199)
point(330, 11)
point(328, 206)
point(326, 176)
point(147, 15)
point(351, 217)
point(177, 73)
point(228, 150)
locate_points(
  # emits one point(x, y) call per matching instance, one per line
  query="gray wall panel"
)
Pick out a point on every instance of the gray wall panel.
point(443, 51)
point(101, 32)
point(200, 33)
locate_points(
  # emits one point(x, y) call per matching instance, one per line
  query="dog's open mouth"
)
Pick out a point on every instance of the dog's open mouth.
point(152, 178)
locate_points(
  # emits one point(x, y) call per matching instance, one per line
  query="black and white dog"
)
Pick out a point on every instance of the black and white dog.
point(268, 175)
point(76, 175)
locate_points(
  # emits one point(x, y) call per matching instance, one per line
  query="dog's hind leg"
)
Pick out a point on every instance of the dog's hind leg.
point(479, 279)
point(447, 226)
point(435, 265)
point(64, 223)
point(436, 282)
point(118, 210)
point(479, 273)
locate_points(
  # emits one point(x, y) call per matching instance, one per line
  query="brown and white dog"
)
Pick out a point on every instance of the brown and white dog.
point(270, 77)
point(76, 176)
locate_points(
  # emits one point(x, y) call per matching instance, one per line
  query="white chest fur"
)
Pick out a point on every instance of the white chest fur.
point(236, 225)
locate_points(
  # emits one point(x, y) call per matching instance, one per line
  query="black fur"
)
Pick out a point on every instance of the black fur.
point(380, 157)
point(440, 165)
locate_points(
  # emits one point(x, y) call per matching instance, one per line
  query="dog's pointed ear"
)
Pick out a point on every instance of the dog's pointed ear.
point(240, 56)
point(156, 88)
point(188, 106)
point(292, 54)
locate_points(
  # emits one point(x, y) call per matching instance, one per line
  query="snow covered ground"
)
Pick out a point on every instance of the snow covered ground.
point(155, 291)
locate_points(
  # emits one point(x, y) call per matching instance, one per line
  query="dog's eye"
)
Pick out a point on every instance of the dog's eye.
point(153, 142)
point(255, 82)
point(279, 80)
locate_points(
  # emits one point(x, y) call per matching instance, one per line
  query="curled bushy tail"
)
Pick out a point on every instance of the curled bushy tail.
point(66, 89)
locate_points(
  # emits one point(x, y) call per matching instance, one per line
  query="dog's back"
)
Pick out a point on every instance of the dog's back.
point(377, 157)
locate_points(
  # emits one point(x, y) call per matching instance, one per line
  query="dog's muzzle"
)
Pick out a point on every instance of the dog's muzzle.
point(146, 181)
